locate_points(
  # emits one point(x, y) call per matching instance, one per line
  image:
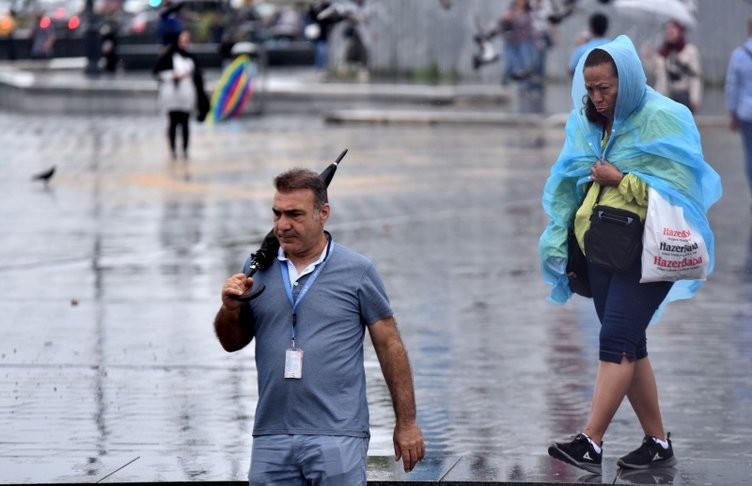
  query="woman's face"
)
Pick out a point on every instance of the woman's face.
point(602, 86)
point(184, 40)
point(672, 32)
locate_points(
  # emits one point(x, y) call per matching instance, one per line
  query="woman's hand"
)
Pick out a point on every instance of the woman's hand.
point(605, 173)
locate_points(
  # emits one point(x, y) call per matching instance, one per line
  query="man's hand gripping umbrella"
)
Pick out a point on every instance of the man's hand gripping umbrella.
point(264, 256)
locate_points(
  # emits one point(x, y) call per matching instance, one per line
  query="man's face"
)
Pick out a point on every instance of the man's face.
point(297, 225)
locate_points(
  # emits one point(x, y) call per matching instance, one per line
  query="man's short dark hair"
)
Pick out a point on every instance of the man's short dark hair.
point(598, 24)
point(299, 179)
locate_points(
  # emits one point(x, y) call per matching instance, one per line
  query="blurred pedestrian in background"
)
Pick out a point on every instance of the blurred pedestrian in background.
point(181, 90)
point(322, 16)
point(678, 72)
point(170, 24)
point(739, 96)
point(286, 24)
point(109, 39)
point(8, 27)
point(217, 27)
point(622, 138)
point(545, 18)
point(360, 18)
point(519, 41)
point(594, 37)
point(42, 37)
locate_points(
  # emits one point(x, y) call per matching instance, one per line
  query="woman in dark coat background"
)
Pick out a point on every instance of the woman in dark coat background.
point(181, 90)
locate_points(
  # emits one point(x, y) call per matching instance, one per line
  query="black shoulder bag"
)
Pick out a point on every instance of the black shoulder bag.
point(577, 267)
point(614, 240)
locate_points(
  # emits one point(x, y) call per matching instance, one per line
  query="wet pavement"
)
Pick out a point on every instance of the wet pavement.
point(110, 277)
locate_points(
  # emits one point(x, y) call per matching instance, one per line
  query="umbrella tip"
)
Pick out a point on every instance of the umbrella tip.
point(341, 156)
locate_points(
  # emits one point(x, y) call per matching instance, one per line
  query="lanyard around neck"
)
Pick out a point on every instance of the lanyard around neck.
point(294, 302)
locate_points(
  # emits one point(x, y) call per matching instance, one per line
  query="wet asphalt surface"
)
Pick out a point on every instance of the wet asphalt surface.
point(110, 278)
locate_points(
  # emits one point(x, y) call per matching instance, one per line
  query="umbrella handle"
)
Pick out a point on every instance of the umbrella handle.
point(251, 294)
point(254, 291)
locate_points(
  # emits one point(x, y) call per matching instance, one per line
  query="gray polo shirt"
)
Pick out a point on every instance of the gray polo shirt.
point(330, 399)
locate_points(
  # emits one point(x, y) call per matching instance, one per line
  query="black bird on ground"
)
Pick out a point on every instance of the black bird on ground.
point(44, 176)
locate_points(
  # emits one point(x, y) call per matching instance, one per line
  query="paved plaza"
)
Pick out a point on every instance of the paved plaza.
point(110, 277)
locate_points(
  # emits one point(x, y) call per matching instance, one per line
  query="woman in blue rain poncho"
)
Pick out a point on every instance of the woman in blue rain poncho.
point(621, 138)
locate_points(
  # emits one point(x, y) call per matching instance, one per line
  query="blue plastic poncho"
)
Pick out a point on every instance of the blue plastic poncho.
point(653, 137)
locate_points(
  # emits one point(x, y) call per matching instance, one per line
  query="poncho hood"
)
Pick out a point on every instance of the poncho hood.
point(653, 137)
point(632, 80)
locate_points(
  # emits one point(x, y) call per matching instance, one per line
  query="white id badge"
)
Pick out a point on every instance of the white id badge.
point(294, 363)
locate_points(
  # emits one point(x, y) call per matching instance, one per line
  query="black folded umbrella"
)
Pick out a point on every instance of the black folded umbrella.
point(264, 256)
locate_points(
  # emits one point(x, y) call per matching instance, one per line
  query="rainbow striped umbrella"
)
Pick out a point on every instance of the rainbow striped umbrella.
point(233, 90)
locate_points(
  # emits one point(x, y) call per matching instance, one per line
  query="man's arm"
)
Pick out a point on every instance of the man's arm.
point(408, 439)
point(232, 330)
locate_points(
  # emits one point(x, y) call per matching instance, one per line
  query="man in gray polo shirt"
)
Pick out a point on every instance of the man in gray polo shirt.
point(311, 424)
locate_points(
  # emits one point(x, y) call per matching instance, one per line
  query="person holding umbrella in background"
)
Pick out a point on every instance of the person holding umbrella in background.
point(678, 71)
point(319, 298)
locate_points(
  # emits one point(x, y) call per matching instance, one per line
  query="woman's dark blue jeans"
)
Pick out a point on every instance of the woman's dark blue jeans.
point(624, 307)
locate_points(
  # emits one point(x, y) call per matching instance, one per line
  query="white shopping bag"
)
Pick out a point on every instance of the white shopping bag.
point(671, 248)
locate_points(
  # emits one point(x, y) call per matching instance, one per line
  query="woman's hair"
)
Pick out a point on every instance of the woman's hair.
point(174, 43)
point(676, 45)
point(527, 6)
point(300, 179)
point(596, 58)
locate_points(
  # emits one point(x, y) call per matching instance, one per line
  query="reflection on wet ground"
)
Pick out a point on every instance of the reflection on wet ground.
point(110, 276)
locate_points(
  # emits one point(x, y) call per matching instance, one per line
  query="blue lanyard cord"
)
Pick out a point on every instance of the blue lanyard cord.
point(288, 288)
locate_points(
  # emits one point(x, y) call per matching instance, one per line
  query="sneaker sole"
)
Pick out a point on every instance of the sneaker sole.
point(671, 461)
point(557, 453)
